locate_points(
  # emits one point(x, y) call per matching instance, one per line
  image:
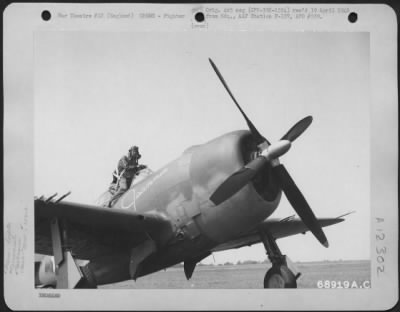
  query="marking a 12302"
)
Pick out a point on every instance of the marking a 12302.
point(380, 246)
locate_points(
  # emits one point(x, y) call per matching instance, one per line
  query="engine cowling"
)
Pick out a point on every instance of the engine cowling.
point(211, 163)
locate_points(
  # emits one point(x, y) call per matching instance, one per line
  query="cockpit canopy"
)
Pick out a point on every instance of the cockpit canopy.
point(142, 174)
point(104, 198)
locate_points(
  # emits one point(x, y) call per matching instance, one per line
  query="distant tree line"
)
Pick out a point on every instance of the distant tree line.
point(244, 262)
point(180, 265)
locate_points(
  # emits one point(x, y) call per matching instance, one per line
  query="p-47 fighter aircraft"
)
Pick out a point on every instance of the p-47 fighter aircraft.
point(216, 196)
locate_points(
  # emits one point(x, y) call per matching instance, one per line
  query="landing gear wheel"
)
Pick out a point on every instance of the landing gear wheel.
point(280, 276)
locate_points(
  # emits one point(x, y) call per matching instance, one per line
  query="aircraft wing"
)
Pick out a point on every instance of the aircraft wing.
point(278, 228)
point(94, 230)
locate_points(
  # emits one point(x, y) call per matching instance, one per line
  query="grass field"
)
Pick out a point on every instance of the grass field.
point(251, 276)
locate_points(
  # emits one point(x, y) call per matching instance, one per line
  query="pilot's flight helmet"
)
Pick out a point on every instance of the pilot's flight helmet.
point(134, 149)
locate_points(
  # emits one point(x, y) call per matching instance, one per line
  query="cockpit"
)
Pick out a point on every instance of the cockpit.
point(105, 198)
point(141, 175)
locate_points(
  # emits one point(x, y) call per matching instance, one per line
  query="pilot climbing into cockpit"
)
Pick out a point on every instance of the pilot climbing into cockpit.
point(127, 168)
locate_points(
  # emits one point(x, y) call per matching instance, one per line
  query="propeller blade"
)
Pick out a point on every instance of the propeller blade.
point(297, 129)
point(299, 203)
point(237, 181)
point(257, 136)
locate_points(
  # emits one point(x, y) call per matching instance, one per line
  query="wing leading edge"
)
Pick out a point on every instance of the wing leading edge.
point(93, 229)
point(278, 228)
point(96, 216)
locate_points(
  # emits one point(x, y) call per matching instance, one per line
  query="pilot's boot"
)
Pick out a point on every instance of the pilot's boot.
point(115, 198)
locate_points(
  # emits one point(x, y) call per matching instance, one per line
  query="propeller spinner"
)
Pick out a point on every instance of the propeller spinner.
point(269, 153)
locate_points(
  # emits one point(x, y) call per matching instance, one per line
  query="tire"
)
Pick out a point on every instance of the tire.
point(280, 277)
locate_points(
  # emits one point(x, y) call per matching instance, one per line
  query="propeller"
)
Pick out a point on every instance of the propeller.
point(240, 178)
point(257, 136)
point(299, 203)
point(298, 129)
point(269, 153)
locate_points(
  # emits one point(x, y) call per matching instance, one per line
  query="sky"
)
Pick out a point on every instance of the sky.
point(97, 93)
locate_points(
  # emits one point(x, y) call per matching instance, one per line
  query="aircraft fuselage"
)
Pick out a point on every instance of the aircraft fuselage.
point(181, 192)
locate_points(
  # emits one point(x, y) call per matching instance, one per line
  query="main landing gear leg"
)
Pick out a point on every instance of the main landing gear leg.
point(68, 273)
point(283, 274)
